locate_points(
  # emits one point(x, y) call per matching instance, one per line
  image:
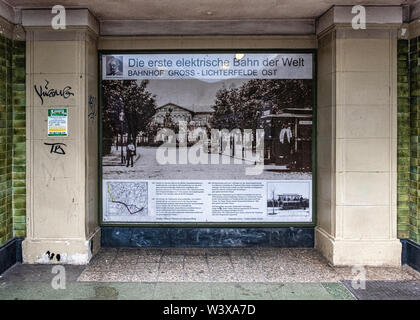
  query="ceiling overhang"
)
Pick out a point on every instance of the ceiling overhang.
point(203, 17)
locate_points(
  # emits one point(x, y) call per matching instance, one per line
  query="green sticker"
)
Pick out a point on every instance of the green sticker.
point(57, 122)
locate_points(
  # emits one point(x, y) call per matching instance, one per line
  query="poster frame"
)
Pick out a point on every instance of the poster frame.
point(313, 222)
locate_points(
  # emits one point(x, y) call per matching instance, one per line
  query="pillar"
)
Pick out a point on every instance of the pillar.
point(62, 184)
point(357, 138)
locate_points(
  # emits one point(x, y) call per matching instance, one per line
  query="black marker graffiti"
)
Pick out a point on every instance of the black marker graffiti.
point(50, 93)
point(92, 109)
point(50, 255)
point(56, 147)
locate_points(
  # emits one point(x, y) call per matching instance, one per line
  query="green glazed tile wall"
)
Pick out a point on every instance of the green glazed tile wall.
point(408, 204)
point(19, 138)
point(6, 218)
point(403, 188)
point(414, 194)
point(12, 139)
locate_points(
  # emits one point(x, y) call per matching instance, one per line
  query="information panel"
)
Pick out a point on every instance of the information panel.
point(207, 66)
point(207, 138)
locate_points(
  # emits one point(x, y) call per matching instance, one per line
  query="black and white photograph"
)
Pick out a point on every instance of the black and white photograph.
point(287, 197)
point(220, 128)
point(114, 66)
point(135, 111)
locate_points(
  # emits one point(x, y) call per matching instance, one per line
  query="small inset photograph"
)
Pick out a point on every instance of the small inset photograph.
point(284, 197)
point(125, 200)
point(114, 66)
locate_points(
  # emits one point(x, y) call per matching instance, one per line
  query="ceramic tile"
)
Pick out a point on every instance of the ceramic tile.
point(196, 259)
point(172, 258)
point(171, 272)
point(146, 272)
point(93, 276)
point(115, 276)
point(269, 265)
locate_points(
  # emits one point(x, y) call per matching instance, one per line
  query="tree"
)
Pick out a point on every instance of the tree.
point(139, 107)
point(168, 123)
point(224, 109)
point(241, 107)
point(130, 98)
point(112, 106)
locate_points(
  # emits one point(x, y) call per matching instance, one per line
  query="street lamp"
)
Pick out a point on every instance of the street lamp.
point(273, 202)
point(121, 134)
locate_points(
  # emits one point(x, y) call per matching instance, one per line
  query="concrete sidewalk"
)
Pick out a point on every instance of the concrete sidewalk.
point(208, 274)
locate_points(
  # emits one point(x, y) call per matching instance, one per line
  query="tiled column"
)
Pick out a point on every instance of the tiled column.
point(12, 132)
point(414, 133)
point(403, 140)
point(6, 132)
point(19, 134)
point(62, 187)
point(357, 138)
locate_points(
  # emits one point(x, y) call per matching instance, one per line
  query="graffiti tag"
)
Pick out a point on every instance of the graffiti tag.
point(92, 107)
point(56, 147)
point(45, 91)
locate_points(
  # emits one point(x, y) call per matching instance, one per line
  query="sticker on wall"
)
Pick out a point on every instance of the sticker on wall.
point(57, 122)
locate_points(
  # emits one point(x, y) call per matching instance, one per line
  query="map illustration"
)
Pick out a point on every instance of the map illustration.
point(125, 198)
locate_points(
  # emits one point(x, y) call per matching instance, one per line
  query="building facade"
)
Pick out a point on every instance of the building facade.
point(188, 114)
point(367, 127)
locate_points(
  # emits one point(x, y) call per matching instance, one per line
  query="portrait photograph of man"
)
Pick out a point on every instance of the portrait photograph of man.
point(114, 66)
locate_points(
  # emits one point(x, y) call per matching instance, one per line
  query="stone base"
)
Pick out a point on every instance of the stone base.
point(10, 253)
point(411, 253)
point(358, 252)
point(286, 237)
point(61, 251)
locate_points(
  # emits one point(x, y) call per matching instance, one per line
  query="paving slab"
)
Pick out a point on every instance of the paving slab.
point(271, 265)
point(173, 291)
point(208, 274)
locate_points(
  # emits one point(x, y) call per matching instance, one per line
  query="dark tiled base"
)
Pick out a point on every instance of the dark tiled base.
point(411, 253)
point(10, 253)
point(286, 237)
point(386, 290)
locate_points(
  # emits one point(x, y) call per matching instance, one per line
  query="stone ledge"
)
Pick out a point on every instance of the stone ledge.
point(375, 15)
point(7, 12)
point(74, 18)
point(207, 27)
point(61, 251)
point(358, 252)
point(218, 42)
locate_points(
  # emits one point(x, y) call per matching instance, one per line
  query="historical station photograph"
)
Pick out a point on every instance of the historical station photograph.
point(135, 111)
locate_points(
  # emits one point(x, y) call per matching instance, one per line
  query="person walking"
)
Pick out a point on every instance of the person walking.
point(285, 138)
point(130, 153)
